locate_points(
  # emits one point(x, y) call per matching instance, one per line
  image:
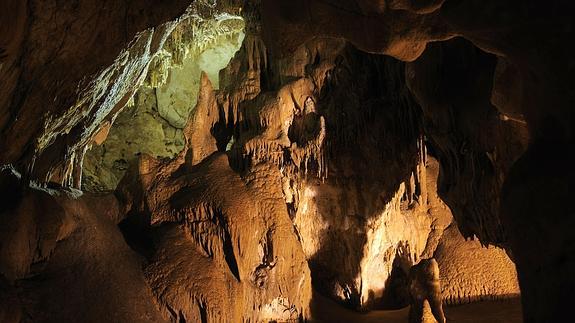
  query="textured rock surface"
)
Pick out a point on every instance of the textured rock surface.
point(499, 124)
point(540, 96)
point(300, 125)
point(352, 250)
point(55, 43)
point(352, 226)
point(201, 44)
point(63, 259)
point(470, 272)
point(475, 144)
point(237, 256)
point(152, 124)
point(138, 129)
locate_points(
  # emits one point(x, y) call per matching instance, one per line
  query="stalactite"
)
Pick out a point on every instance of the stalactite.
point(192, 36)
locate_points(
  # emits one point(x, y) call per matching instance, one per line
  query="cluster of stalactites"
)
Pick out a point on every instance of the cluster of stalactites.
point(257, 52)
point(190, 38)
point(415, 187)
point(292, 160)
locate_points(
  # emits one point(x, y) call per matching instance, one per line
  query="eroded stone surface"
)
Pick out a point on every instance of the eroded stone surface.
point(469, 121)
point(62, 258)
point(153, 122)
point(237, 255)
point(470, 272)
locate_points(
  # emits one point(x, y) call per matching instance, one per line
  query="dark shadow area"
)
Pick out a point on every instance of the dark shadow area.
point(137, 233)
point(453, 82)
point(396, 293)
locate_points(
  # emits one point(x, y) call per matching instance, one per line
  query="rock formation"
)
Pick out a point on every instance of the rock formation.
point(470, 280)
point(64, 259)
point(425, 291)
point(538, 100)
point(154, 120)
point(343, 145)
point(237, 255)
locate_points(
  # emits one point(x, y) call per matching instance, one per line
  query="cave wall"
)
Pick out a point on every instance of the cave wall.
point(63, 258)
point(468, 270)
point(475, 143)
point(350, 221)
point(248, 263)
point(223, 248)
point(53, 42)
point(439, 21)
point(99, 53)
point(511, 195)
point(347, 137)
point(530, 85)
point(138, 129)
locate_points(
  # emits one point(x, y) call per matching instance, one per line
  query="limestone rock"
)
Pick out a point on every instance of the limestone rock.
point(470, 272)
point(139, 129)
point(475, 146)
point(154, 123)
point(328, 136)
point(88, 92)
point(62, 258)
point(177, 97)
point(226, 248)
point(425, 290)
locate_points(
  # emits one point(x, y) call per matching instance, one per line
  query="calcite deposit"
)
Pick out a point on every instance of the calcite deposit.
point(241, 161)
point(472, 279)
point(156, 115)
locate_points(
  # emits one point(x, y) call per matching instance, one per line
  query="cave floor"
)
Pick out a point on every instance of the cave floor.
point(508, 311)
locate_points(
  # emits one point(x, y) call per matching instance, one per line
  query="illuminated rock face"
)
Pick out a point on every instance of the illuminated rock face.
point(225, 248)
point(492, 135)
point(88, 67)
point(323, 175)
point(152, 124)
point(352, 254)
point(228, 254)
point(470, 272)
point(355, 229)
point(138, 129)
point(353, 258)
point(178, 95)
point(287, 169)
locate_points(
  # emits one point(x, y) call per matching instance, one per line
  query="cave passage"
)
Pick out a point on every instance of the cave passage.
point(283, 161)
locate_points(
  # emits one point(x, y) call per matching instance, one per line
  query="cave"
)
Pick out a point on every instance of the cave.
point(286, 161)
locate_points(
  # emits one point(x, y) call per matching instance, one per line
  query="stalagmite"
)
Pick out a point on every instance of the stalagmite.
point(425, 293)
